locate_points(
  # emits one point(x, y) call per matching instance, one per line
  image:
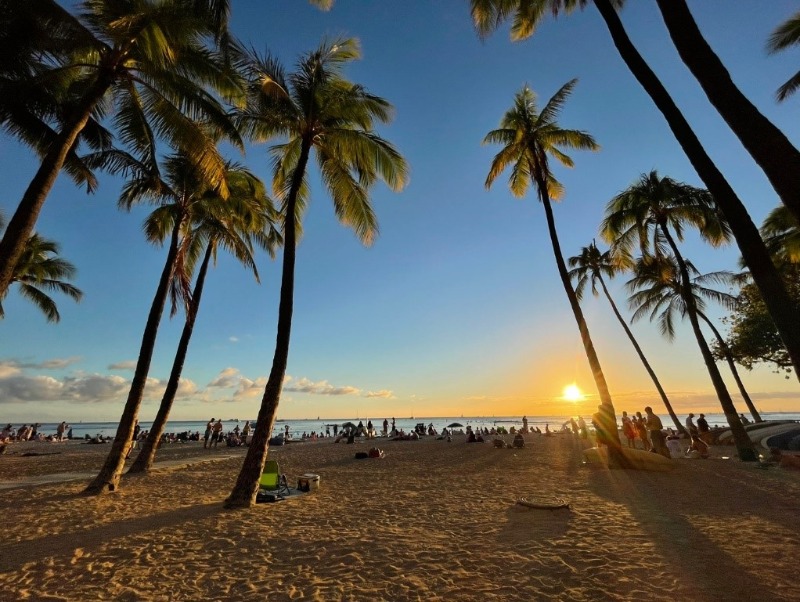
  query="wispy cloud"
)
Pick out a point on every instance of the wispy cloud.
point(323, 387)
point(383, 393)
point(233, 339)
point(124, 365)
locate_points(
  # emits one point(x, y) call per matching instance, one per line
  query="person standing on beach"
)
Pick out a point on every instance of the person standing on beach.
point(134, 439)
point(641, 429)
point(216, 432)
point(524, 424)
point(245, 432)
point(629, 430)
point(207, 435)
point(703, 430)
point(385, 427)
point(654, 427)
point(61, 429)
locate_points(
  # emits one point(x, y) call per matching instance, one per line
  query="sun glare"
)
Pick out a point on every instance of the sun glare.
point(572, 393)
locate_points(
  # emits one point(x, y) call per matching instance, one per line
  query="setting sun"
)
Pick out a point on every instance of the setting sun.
point(572, 393)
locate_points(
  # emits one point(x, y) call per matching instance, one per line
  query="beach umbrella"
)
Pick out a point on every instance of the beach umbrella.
point(455, 425)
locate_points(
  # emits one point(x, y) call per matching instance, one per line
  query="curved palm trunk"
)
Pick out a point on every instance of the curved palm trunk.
point(24, 219)
point(780, 305)
point(640, 353)
point(729, 358)
point(144, 461)
point(108, 479)
point(586, 339)
point(768, 145)
point(744, 446)
point(244, 491)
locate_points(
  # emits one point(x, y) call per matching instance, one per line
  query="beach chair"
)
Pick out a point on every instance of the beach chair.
point(272, 482)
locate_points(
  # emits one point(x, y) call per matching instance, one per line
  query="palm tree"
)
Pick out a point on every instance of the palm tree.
point(180, 188)
point(39, 270)
point(767, 144)
point(781, 232)
point(315, 109)
point(147, 64)
point(786, 35)
point(658, 288)
point(489, 14)
point(35, 35)
point(647, 213)
point(529, 137)
point(246, 217)
point(588, 268)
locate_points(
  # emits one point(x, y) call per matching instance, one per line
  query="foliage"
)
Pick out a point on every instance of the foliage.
point(753, 337)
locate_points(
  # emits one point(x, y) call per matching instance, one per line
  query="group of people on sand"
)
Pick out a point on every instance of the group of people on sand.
point(30, 432)
point(214, 434)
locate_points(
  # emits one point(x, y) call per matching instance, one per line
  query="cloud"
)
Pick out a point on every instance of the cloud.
point(82, 388)
point(233, 339)
point(52, 364)
point(124, 365)
point(383, 393)
point(322, 387)
point(229, 377)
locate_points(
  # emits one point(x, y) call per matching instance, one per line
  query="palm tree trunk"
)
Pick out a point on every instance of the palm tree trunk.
point(780, 305)
point(768, 145)
point(640, 353)
point(144, 461)
point(729, 358)
point(21, 225)
point(108, 479)
point(244, 491)
point(586, 339)
point(744, 446)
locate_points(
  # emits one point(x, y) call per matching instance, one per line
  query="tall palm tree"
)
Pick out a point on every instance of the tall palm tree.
point(39, 270)
point(176, 192)
point(588, 268)
point(786, 35)
point(768, 145)
point(658, 288)
point(529, 138)
point(526, 15)
point(148, 65)
point(244, 219)
point(647, 213)
point(318, 111)
point(34, 101)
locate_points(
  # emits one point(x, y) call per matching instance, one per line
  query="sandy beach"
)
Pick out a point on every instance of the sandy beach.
point(430, 521)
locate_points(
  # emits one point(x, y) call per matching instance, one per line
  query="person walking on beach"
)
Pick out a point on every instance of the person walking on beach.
point(134, 439)
point(61, 430)
point(654, 427)
point(207, 435)
point(216, 432)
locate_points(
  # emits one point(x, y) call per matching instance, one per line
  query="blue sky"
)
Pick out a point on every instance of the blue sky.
point(457, 308)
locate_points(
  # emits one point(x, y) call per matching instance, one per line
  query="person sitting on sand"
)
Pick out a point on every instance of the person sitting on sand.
point(787, 461)
point(703, 431)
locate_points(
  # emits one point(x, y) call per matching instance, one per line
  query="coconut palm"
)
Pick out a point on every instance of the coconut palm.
point(149, 67)
point(768, 145)
point(318, 112)
point(786, 35)
point(529, 138)
point(653, 213)
point(40, 271)
point(246, 217)
point(181, 188)
point(34, 101)
point(526, 15)
point(781, 232)
point(588, 268)
point(657, 287)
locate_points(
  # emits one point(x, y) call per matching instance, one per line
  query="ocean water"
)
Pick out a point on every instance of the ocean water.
point(298, 427)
